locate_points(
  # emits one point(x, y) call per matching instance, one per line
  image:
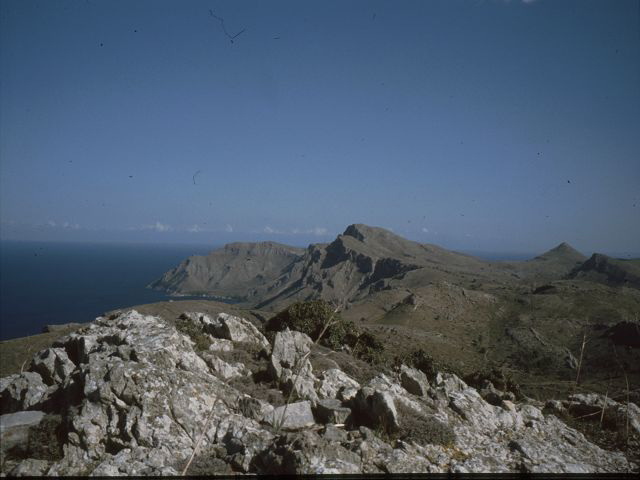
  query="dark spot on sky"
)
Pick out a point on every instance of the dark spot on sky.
point(135, 31)
point(568, 181)
point(102, 44)
point(373, 17)
point(130, 176)
point(276, 38)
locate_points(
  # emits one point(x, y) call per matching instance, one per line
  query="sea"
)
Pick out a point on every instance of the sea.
point(43, 283)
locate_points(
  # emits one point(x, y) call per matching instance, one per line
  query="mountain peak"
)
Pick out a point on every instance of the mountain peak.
point(563, 251)
point(363, 232)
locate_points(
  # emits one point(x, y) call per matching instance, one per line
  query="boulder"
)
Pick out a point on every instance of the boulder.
point(414, 381)
point(290, 364)
point(21, 392)
point(14, 429)
point(334, 383)
point(330, 410)
point(232, 328)
point(220, 345)
point(53, 365)
point(30, 467)
point(293, 416)
point(376, 409)
point(223, 369)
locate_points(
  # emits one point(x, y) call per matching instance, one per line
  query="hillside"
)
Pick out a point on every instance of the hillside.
point(233, 271)
point(608, 270)
point(206, 394)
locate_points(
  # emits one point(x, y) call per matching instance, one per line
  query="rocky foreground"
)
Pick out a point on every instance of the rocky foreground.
point(134, 395)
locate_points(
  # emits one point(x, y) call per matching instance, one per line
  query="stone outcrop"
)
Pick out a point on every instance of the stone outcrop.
point(131, 395)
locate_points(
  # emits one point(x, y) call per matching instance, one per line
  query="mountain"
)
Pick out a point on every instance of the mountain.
point(232, 271)
point(362, 260)
point(552, 265)
point(611, 271)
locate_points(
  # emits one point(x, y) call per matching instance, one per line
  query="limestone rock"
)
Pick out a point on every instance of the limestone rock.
point(376, 408)
point(140, 398)
point(53, 365)
point(330, 410)
point(290, 364)
point(414, 381)
point(30, 467)
point(232, 328)
point(220, 345)
point(223, 369)
point(293, 416)
point(333, 382)
point(14, 428)
point(21, 392)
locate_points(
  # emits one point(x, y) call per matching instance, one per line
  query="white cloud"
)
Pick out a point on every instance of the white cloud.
point(319, 231)
point(194, 228)
point(228, 228)
point(51, 223)
point(158, 227)
point(268, 229)
point(425, 230)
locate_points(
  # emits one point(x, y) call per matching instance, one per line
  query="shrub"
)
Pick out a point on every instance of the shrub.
point(421, 360)
point(311, 318)
point(188, 327)
point(368, 348)
point(500, 379)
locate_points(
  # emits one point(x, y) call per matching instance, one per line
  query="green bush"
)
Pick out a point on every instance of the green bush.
point(368, 348)
point(422, 361)
point(188, 327)
point(311, 318)
point(500, 378)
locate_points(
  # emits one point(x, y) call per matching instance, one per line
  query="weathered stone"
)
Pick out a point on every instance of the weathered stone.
point(376, 408)
point(141, 397)
point(220, 345)
point(30, 467)
point(334, 381)
point(330, 410)
point(232, 328)
point(14, 428)
point(306, 453)
point(53, 365)
point(289, 363)
point(293, 416)
point(21, 392)
point(223, 369)
point(414, 381)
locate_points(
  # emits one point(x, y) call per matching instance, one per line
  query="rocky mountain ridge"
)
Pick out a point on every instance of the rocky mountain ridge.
point(135, 394)
point(362, 260)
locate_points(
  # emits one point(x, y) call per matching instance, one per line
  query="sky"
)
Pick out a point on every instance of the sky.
point(480, 125)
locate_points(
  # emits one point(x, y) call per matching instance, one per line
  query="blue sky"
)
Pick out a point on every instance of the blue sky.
point(477, 125)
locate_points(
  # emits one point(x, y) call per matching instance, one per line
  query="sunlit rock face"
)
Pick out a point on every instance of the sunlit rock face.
point(132, 395)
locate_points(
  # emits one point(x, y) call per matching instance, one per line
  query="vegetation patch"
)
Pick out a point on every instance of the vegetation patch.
point(500, 379)
point(422, 429)
point(312, 318)
point(421, 360)
point(186, 326)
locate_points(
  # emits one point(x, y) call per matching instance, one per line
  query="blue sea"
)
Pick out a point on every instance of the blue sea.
point(45, 283)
